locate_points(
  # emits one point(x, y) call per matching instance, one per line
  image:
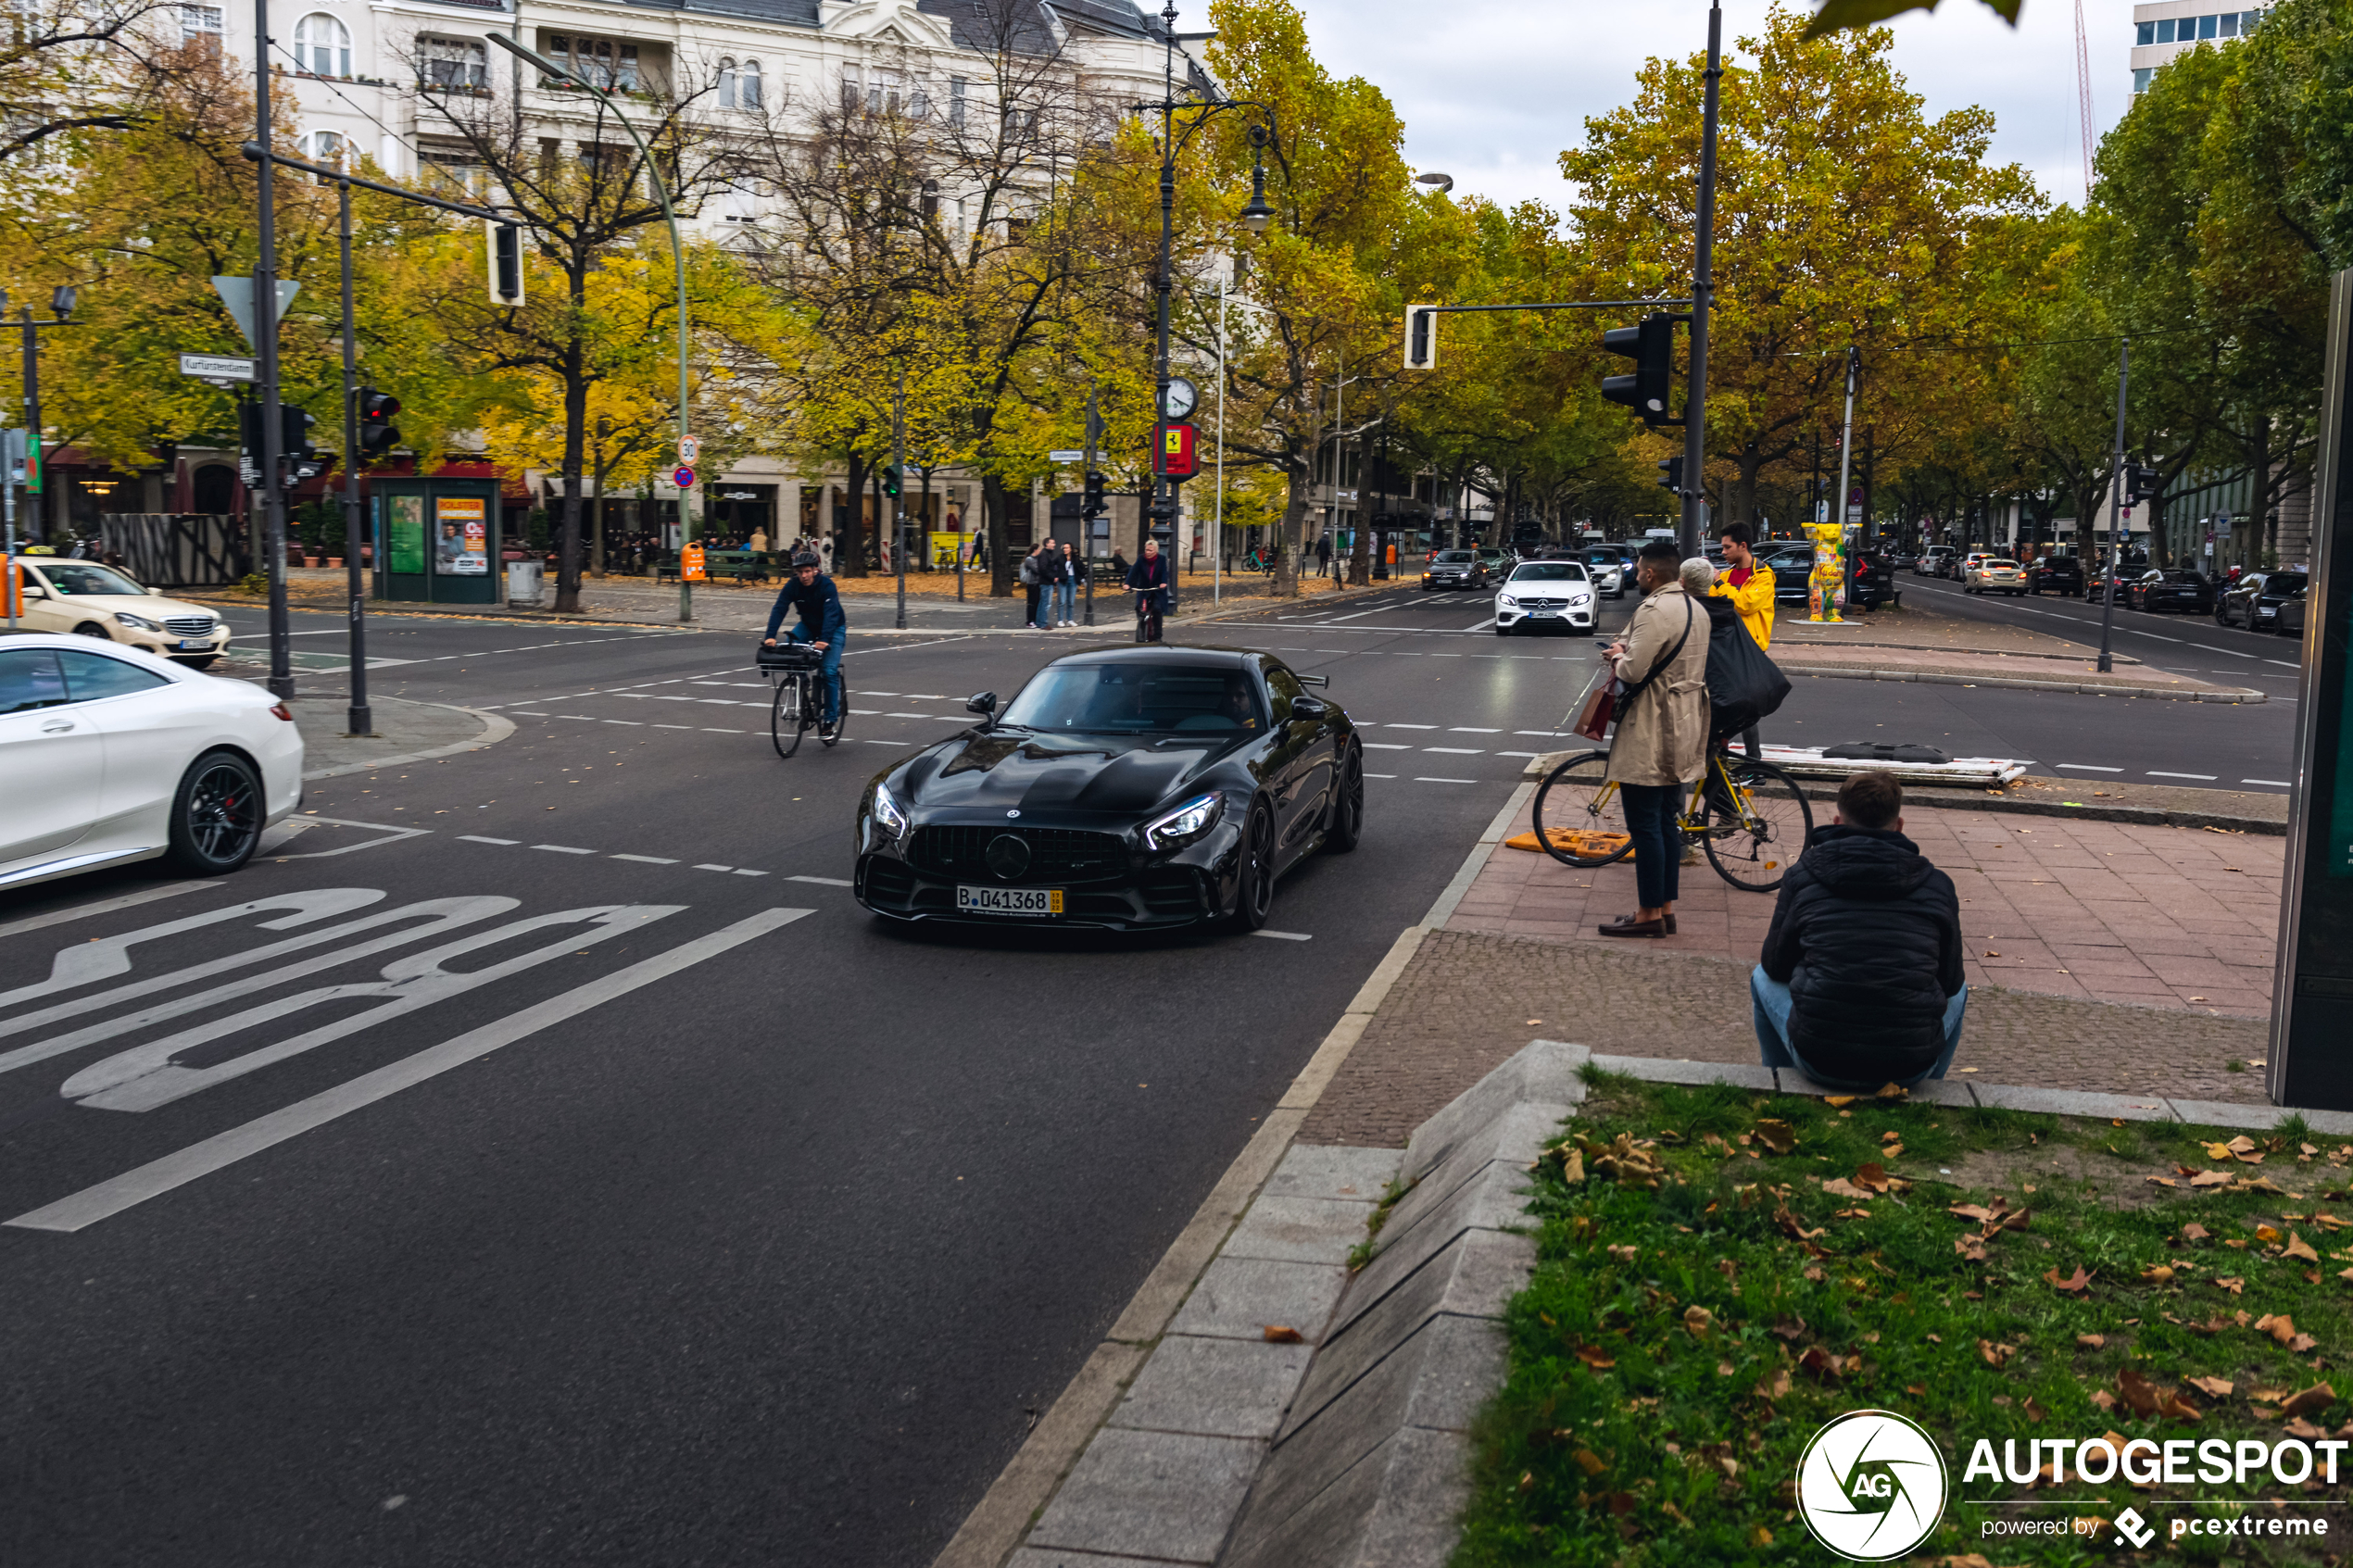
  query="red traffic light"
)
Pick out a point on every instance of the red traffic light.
point(374, 405)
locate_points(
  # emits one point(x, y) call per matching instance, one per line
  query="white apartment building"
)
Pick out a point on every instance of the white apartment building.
point(2164, 30)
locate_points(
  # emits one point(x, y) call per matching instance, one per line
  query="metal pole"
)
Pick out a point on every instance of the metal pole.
point(1703, 289)
point(32, 425)
point(2115, 502)
point(358, 720)
point(1217, 528)
point(1164, 507)
point(1087, 518)
point(899, 485)
point(1846, 461)
point(265, 334)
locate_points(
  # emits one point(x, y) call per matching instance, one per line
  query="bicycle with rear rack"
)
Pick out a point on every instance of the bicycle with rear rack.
point(1750, 818)
point(798, 671)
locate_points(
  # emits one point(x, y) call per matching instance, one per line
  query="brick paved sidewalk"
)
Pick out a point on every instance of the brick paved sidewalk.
point(2111, 956)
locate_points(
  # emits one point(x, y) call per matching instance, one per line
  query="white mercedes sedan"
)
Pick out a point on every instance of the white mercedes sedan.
point(1540, 594)
point(110, 755)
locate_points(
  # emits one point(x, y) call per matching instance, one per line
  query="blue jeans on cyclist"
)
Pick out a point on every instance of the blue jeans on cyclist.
point(1658, 846)
point(830, 670)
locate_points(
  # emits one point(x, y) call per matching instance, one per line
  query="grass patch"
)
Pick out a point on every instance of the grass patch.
point(1702, 1303)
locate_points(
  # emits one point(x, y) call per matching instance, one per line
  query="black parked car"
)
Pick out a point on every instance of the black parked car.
point(2278, 605)
point(2174, 588)
point(1127, 788)
point(2096, 584)
point(1874, 582)
point(1454, 568)
point(2062, 575)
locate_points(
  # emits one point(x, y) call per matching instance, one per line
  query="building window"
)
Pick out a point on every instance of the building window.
point(322, 46)
point(956, 85)
point(600, 62)
point(452, 164)
point(748, 85)
point(200, 21)
point(2206, 27)
point(2140, 79)
point(2144, 34)
point(850, 89)
point(330, 147)
point(2165, 31)
point(918, 103)
point(726, 84)
point(2228, 25)
point(931, 201)
point(450, 62)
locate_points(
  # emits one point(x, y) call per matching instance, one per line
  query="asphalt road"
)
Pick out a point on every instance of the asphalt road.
point(735, 1228)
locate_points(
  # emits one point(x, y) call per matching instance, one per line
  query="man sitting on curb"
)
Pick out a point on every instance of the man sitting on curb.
point(1861, 983)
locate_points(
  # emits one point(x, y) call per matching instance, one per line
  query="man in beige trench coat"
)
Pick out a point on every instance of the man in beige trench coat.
point(1661, 744)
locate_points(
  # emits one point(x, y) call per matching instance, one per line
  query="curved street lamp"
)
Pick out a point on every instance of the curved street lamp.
point(560, 74)
point(1444, 182)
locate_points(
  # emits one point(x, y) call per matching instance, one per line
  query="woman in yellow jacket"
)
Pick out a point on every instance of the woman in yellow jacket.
point(1748, 583)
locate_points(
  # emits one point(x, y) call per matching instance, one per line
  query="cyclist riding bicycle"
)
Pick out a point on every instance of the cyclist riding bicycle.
point(1149, 579)
point(822, 626)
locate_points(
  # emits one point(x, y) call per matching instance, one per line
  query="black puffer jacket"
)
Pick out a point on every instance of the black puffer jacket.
point(1867, 935)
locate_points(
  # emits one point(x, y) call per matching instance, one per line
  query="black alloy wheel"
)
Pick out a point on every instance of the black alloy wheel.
point(1254, 889)
point(92, 628)
point(216, 815)
point(1348, 804)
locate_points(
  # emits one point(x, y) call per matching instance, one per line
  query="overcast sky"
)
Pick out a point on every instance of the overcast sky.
point(1492, 90)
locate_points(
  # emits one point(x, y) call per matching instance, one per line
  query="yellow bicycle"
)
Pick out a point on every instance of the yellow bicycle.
point(1749, 816)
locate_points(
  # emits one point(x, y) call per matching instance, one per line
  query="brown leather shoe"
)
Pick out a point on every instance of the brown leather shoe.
point(1626, 925)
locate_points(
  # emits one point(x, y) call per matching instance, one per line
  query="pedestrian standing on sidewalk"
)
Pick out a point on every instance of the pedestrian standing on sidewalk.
point(1661, 744)
point(1323, 554)
point(1861, 982)
point(1748, 583)
point(1032, 585)
point(1068, 587)
point(1050, 578)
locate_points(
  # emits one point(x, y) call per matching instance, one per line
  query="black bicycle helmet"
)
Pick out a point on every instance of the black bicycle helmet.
point(805, 557)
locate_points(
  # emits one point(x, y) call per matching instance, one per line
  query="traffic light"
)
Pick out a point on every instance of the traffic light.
point(1651, 344)
point(1671, 475)
point(505, 263)
point(378, 434)
point(303, 460)
point(1421, 338)
point(1092, 503)
point(2140, 484)
point(890, 480)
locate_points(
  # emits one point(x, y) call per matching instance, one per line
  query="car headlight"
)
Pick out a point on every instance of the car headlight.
point(1504, 601)
point(1579, 596)
point(887, 813)
point(1186, 823)
point(135, 623)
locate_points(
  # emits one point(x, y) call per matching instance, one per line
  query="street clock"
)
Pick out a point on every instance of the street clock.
point(1178, 398)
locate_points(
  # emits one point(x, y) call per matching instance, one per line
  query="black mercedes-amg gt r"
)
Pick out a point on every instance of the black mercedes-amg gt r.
point(1129, 788)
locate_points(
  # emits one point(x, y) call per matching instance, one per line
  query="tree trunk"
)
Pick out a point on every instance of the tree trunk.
point(1294, 526)
point(850, 549)
point(568, 531)
point(1000, 557)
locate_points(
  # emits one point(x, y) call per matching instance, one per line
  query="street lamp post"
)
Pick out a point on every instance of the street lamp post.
point(61, 304)
point(1163, 512)
point(557, 73)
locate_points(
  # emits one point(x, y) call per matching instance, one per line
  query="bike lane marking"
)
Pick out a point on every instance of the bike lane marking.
point(157, 1177)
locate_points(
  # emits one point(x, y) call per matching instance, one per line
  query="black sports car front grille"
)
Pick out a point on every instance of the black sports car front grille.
point(1056, 855)
point(889, 881)
point(1172, 892)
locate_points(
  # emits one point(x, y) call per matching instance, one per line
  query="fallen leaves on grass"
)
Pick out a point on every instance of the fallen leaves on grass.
point(1698, 1321)
point(2298, 1247)
point(2212, 1387)
point(2091, 1341)
point(1626, 1162)
point(1589, 1462)
point(1777, 1386)
point(2318, 1396)
point(2195, 1232)
point(2281, 1328)
point(1996, 1356)
point(1777, 1135)
point(2211, 1179)
point(1596, 1357)
point(2075, 1283)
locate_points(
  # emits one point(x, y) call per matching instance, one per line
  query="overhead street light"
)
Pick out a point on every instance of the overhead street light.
point(1257, 214)
point(1444, 182)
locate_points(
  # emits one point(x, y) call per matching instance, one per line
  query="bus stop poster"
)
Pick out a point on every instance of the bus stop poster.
point(406, 532)
point(461, 547)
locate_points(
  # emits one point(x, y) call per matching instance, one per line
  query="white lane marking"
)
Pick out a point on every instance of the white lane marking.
point(823, 881)
point(1454, 750)
point(477, 839)
point(157, 1177)
point(448, 914)
point(870, 691)
point(104, 958)
point(2087, 767)
point(527, 713)
point(391, 835)
point(1387, 745)
point(1529, 754)
point(1380, 775)
point(1409, 726)
point(2282, 784)
point(870, 741)
point(913, 716)
point(104, 905)
point(708, 731)
point(1285, 936)
point(1419, 779)
point(674, 726)
point(645, 859)
point(2156, 773)
point(925, 696)
point(2285, 663)
point(712, 867)
point(631, 722)
point(744, 871)
point(159, 1071)
point(563, 849)
point(1470, 729)
point(1481, 625)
